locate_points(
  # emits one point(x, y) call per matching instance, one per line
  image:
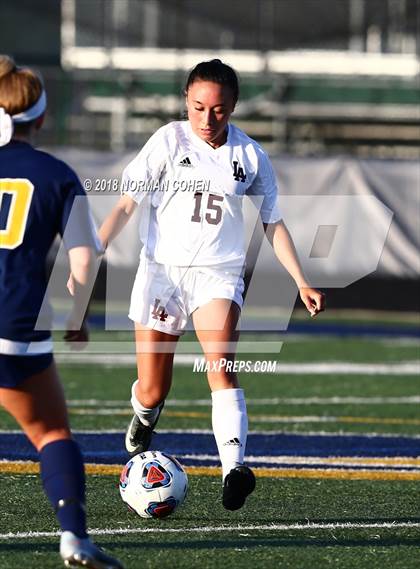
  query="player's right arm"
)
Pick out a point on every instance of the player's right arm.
point(117, 219)
point(110, 228)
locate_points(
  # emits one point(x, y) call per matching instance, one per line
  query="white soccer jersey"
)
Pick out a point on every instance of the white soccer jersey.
point(191, 195)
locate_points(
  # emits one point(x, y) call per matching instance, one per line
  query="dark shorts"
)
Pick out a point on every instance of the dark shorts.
point(15, 369)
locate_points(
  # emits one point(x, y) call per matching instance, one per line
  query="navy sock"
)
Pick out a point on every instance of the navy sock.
point(63, 479)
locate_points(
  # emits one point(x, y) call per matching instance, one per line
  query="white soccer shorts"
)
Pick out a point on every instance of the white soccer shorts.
point(164, 296)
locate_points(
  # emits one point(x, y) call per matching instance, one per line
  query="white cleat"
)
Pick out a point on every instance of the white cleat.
point(81, 552)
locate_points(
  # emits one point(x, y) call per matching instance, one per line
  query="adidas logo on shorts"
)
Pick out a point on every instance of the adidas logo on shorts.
point(186, 162)
point(233, 443)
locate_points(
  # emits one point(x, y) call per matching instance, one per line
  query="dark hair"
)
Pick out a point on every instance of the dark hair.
point(217, 72)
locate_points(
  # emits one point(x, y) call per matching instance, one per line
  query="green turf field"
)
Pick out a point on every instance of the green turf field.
point(277, 502)
point(295, 522)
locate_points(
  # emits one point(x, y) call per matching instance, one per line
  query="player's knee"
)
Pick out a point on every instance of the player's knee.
point(41, 437)
point(222, 380)
point(150, 397)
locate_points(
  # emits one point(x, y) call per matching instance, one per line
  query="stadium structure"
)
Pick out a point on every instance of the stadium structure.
point(318, 77)
point(330, 89)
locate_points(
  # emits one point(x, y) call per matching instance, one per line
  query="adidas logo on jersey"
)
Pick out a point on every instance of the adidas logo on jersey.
point(233, 443)
point(186, 162)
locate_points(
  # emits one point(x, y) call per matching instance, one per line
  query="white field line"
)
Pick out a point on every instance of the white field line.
point(388, 462)
point(224, 528)
point(330, 419)
point(399, 341)
point(400, 368)
point(373, 462)
point(266, 433)
point(409, 400)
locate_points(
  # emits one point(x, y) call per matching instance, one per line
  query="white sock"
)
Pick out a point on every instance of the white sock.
point(146, 416)
point(230, 426)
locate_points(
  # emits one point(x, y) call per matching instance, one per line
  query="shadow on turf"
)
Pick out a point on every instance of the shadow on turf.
point(30, 546)
point(249, 543)
point(245, 543)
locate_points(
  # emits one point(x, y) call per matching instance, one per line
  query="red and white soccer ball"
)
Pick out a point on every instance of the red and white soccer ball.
point(153, 484)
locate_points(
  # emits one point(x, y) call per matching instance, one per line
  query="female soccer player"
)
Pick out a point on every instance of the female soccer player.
point(190, 179)
point(37, 193)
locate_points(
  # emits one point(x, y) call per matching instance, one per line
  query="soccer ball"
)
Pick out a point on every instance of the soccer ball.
point(153, 484)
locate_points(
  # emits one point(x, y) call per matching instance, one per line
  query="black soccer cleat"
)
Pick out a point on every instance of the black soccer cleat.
point(238, 484)
point(138, 436)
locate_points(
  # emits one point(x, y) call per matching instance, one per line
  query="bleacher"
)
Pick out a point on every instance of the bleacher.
point(317, 77)
point(301, 115)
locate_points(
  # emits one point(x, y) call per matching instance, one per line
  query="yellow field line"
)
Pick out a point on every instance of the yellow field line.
point(387, 421)
point(256, 418)
point(336, 474)
point(129, 412)
point(192, 414)
point(287, 473)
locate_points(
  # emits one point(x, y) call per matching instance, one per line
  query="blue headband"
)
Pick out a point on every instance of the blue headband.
point(6, 121)
point(33, 112)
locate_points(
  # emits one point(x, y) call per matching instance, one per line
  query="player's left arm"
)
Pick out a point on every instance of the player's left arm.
point(78, 231)
point(285, 251)
point(83, 267)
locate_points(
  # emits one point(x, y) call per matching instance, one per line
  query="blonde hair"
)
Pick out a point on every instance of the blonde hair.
point(20, 87)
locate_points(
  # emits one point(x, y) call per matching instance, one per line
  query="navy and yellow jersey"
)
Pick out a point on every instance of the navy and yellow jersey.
point(37, 194)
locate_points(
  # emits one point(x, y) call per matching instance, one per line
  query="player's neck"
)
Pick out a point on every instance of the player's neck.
point(26, 132)
point(23, 137)
point(221, 140)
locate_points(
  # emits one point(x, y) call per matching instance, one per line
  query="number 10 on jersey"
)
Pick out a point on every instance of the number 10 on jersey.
point(14, 211)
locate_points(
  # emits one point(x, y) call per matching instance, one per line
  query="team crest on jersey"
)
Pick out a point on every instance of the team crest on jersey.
point(158, 311)
point(238, 172)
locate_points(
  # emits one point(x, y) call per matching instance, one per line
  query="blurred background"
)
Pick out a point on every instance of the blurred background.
point(330, 88)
